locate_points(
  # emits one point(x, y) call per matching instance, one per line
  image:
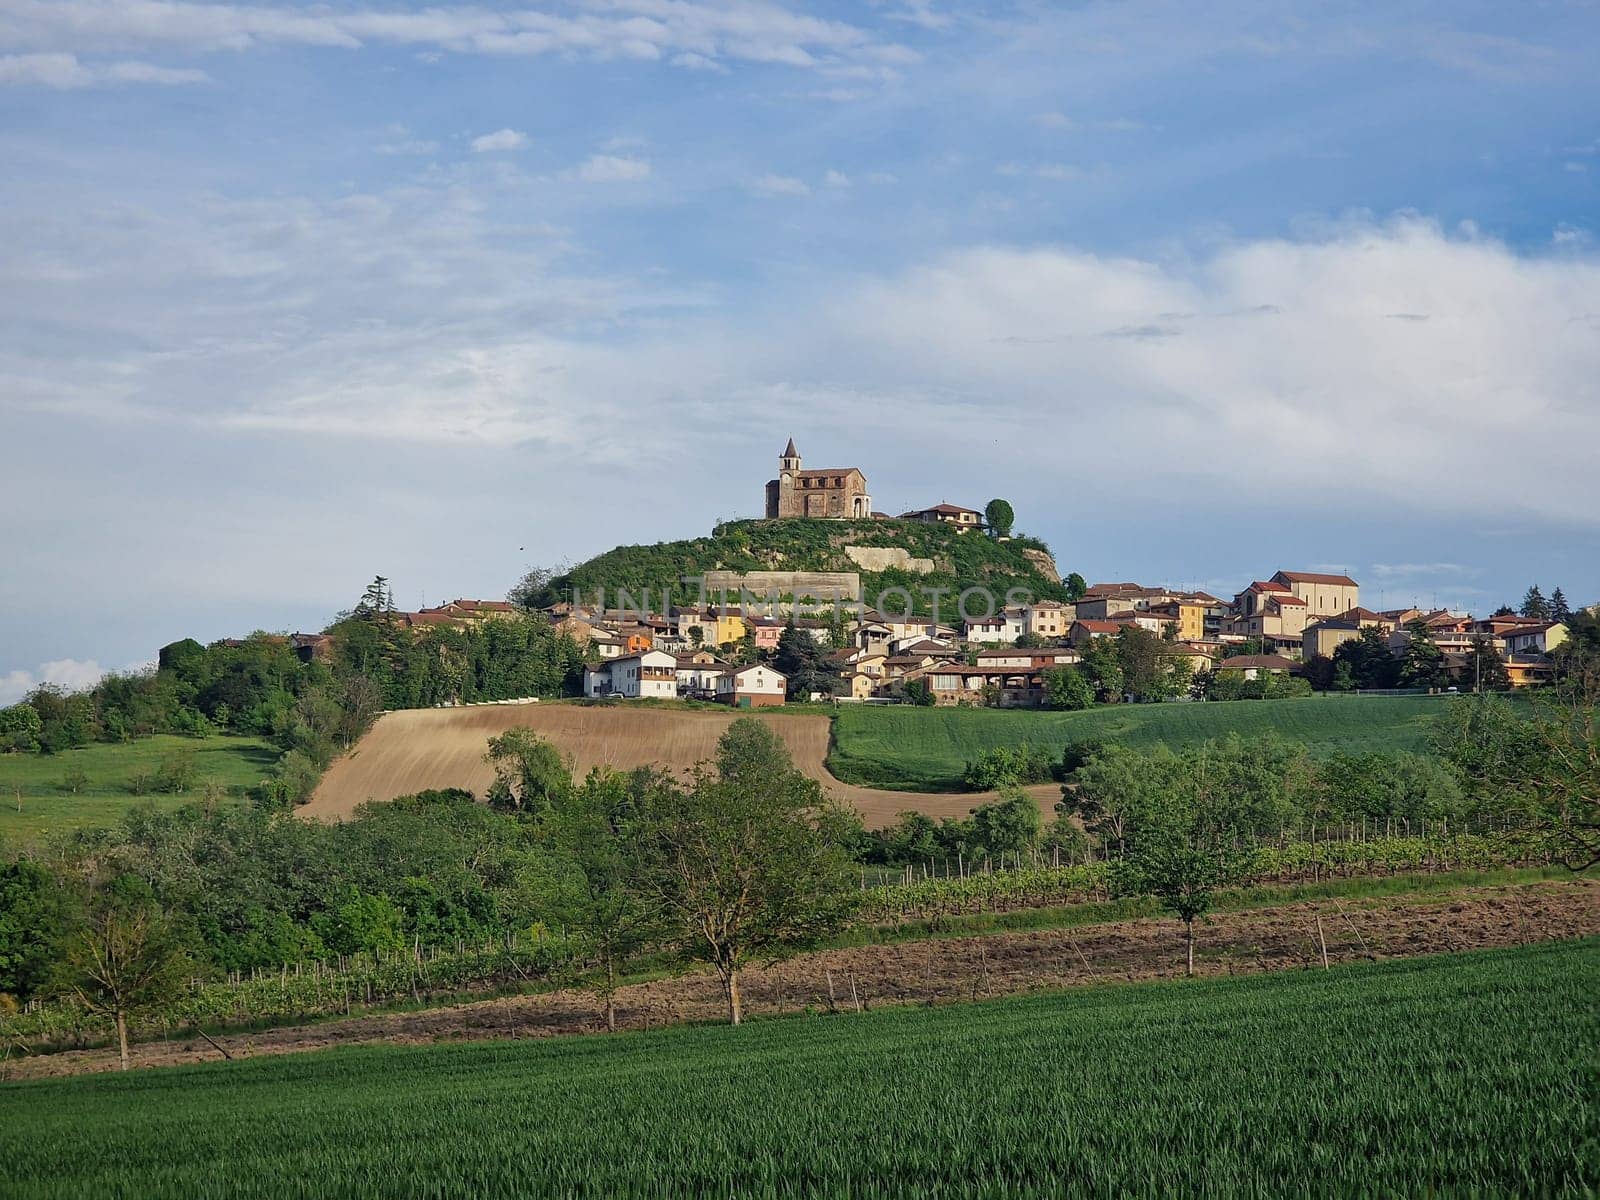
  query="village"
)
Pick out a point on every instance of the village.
point(727, 648)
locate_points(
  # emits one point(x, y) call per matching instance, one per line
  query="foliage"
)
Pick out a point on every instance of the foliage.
point(1422, 662)
point(800, 660)
point(1067, 689)
point(1000, 517)
point(746, 860)
point(530, 774)
point(1454, 1075)
point(1367, 661)
point(35, 912)
point(1007, 766)
point(1535, 605)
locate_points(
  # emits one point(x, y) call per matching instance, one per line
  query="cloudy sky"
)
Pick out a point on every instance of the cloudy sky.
point(292, 295)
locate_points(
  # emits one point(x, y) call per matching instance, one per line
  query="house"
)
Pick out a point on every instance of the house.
point(1187, 615)
point(1150, 621)
point(858, 685)
point(755, 686)
point(1537, 639)
point(698, 674)
point(932, 647)
point(1005, 626)
point(718, 627)
point(947, 514)
point(1084, 631)
point(472, 612)
point(1048, 618)
point(1199, 659)
point(767, 631)
point(1027, 660)
point(312, 647)
point(1258, 664)
point(1324, 637)
point(839, 493)
point(1525, 669)
point(652, 674)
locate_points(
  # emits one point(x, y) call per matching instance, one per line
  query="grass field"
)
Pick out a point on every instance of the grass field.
point(927, 749)
point(48, 805)
point(1465, 1074)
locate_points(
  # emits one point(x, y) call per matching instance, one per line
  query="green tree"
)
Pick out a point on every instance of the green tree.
point(35, 914)
point(1010, 826)
point(1535, 605)
point(124, 958)
point(1000, 517)
point(1422, 662)
point(1067, 689)
point(1560, 610)
point(800, 659)
point(747, 861)
point(377, 600)
point(1103, 665)
point(917, 692)
point(1076, 585)
point(1368, 658)
point(530, 773)
point(19, 728)
point(596, 884)
point(1486, 668)
point(1182, 864)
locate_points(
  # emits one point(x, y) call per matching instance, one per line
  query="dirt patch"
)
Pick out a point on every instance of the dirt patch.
point(416, 749)
point(942, 970)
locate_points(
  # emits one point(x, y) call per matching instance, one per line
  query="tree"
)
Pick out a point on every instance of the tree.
point(1076, 586)
point(124, 958)
point(1367, 655)
point(1486, 668)
point(1560, 610)
point(1505, 610)
point(1181, 865)
point(530, 774)
point(1422, 663)
point(916, 691)
point(1009, 826)
point(1067, 689)
point(19, 728)
point(1535, 605)
point(1000, 517)
point(1103, 665)
point(35, 912)
point(538, 588)
point(595, 885)
point(376, 601)
point(800, 659)
point(746, 861)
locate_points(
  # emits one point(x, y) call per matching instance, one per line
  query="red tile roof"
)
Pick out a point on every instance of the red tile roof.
point(1313, 577)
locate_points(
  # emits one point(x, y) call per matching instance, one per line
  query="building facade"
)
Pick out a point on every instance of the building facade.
point(838, 493)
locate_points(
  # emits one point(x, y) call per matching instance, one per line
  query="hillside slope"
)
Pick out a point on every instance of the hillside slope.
point(958, 561)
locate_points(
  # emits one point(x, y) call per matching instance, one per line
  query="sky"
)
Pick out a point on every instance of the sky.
point(294, 295)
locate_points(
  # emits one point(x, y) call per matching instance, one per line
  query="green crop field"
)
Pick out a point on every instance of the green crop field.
point(926, 749)
point(1466, 1075)
point(48, 805)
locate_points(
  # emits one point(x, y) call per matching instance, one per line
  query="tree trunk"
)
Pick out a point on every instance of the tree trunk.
point(611, 994)
point(122, 1037)
point(1188, 929)
point(730, 983)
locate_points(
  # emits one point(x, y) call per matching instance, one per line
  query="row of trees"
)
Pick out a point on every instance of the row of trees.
point(742, 860)
point(262, 685)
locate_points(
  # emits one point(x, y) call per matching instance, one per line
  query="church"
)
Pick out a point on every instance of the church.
point(837, 492)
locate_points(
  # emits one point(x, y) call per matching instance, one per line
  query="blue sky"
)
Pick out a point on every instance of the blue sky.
point(293, 295)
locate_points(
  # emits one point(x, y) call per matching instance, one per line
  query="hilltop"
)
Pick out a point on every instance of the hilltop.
point(884, 553)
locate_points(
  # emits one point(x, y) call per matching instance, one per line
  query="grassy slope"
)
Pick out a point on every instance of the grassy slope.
point(1466, 1073)
point(962, 560)
point(927, 749)
point(235, 762)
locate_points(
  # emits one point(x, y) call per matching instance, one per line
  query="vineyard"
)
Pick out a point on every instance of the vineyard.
point(421, 973)
point(1468, 1074)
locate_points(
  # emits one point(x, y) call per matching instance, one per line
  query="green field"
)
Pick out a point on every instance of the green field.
point(1468, 1074)
point(48, 806)
point(926, 749)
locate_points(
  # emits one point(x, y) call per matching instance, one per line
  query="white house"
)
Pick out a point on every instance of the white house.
point(653, 674)
point(698, 680)
point(755, 686)
point(1536, 639)
point(1005, 626)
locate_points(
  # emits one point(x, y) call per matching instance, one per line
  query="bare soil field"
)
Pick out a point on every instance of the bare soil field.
point(945, 970)
point(416, 749)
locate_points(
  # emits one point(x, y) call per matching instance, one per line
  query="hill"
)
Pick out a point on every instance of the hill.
point(417, 749)
point(923, 748)
point(117, 776)
point(1454, 1075)
point(949, 560)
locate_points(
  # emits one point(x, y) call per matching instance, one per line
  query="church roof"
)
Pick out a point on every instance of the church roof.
point(789, 451)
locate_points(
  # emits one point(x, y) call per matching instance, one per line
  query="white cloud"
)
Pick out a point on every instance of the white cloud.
point(836, 179)
point(1054, 172)
point(611, 168)
point(71, 674)
point(65, 71)
point(500, 140)
point(779, 185)
point(690, 34)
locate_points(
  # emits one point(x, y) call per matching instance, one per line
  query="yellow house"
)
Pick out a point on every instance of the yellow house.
point(1188, 615)
point(1325, 637)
